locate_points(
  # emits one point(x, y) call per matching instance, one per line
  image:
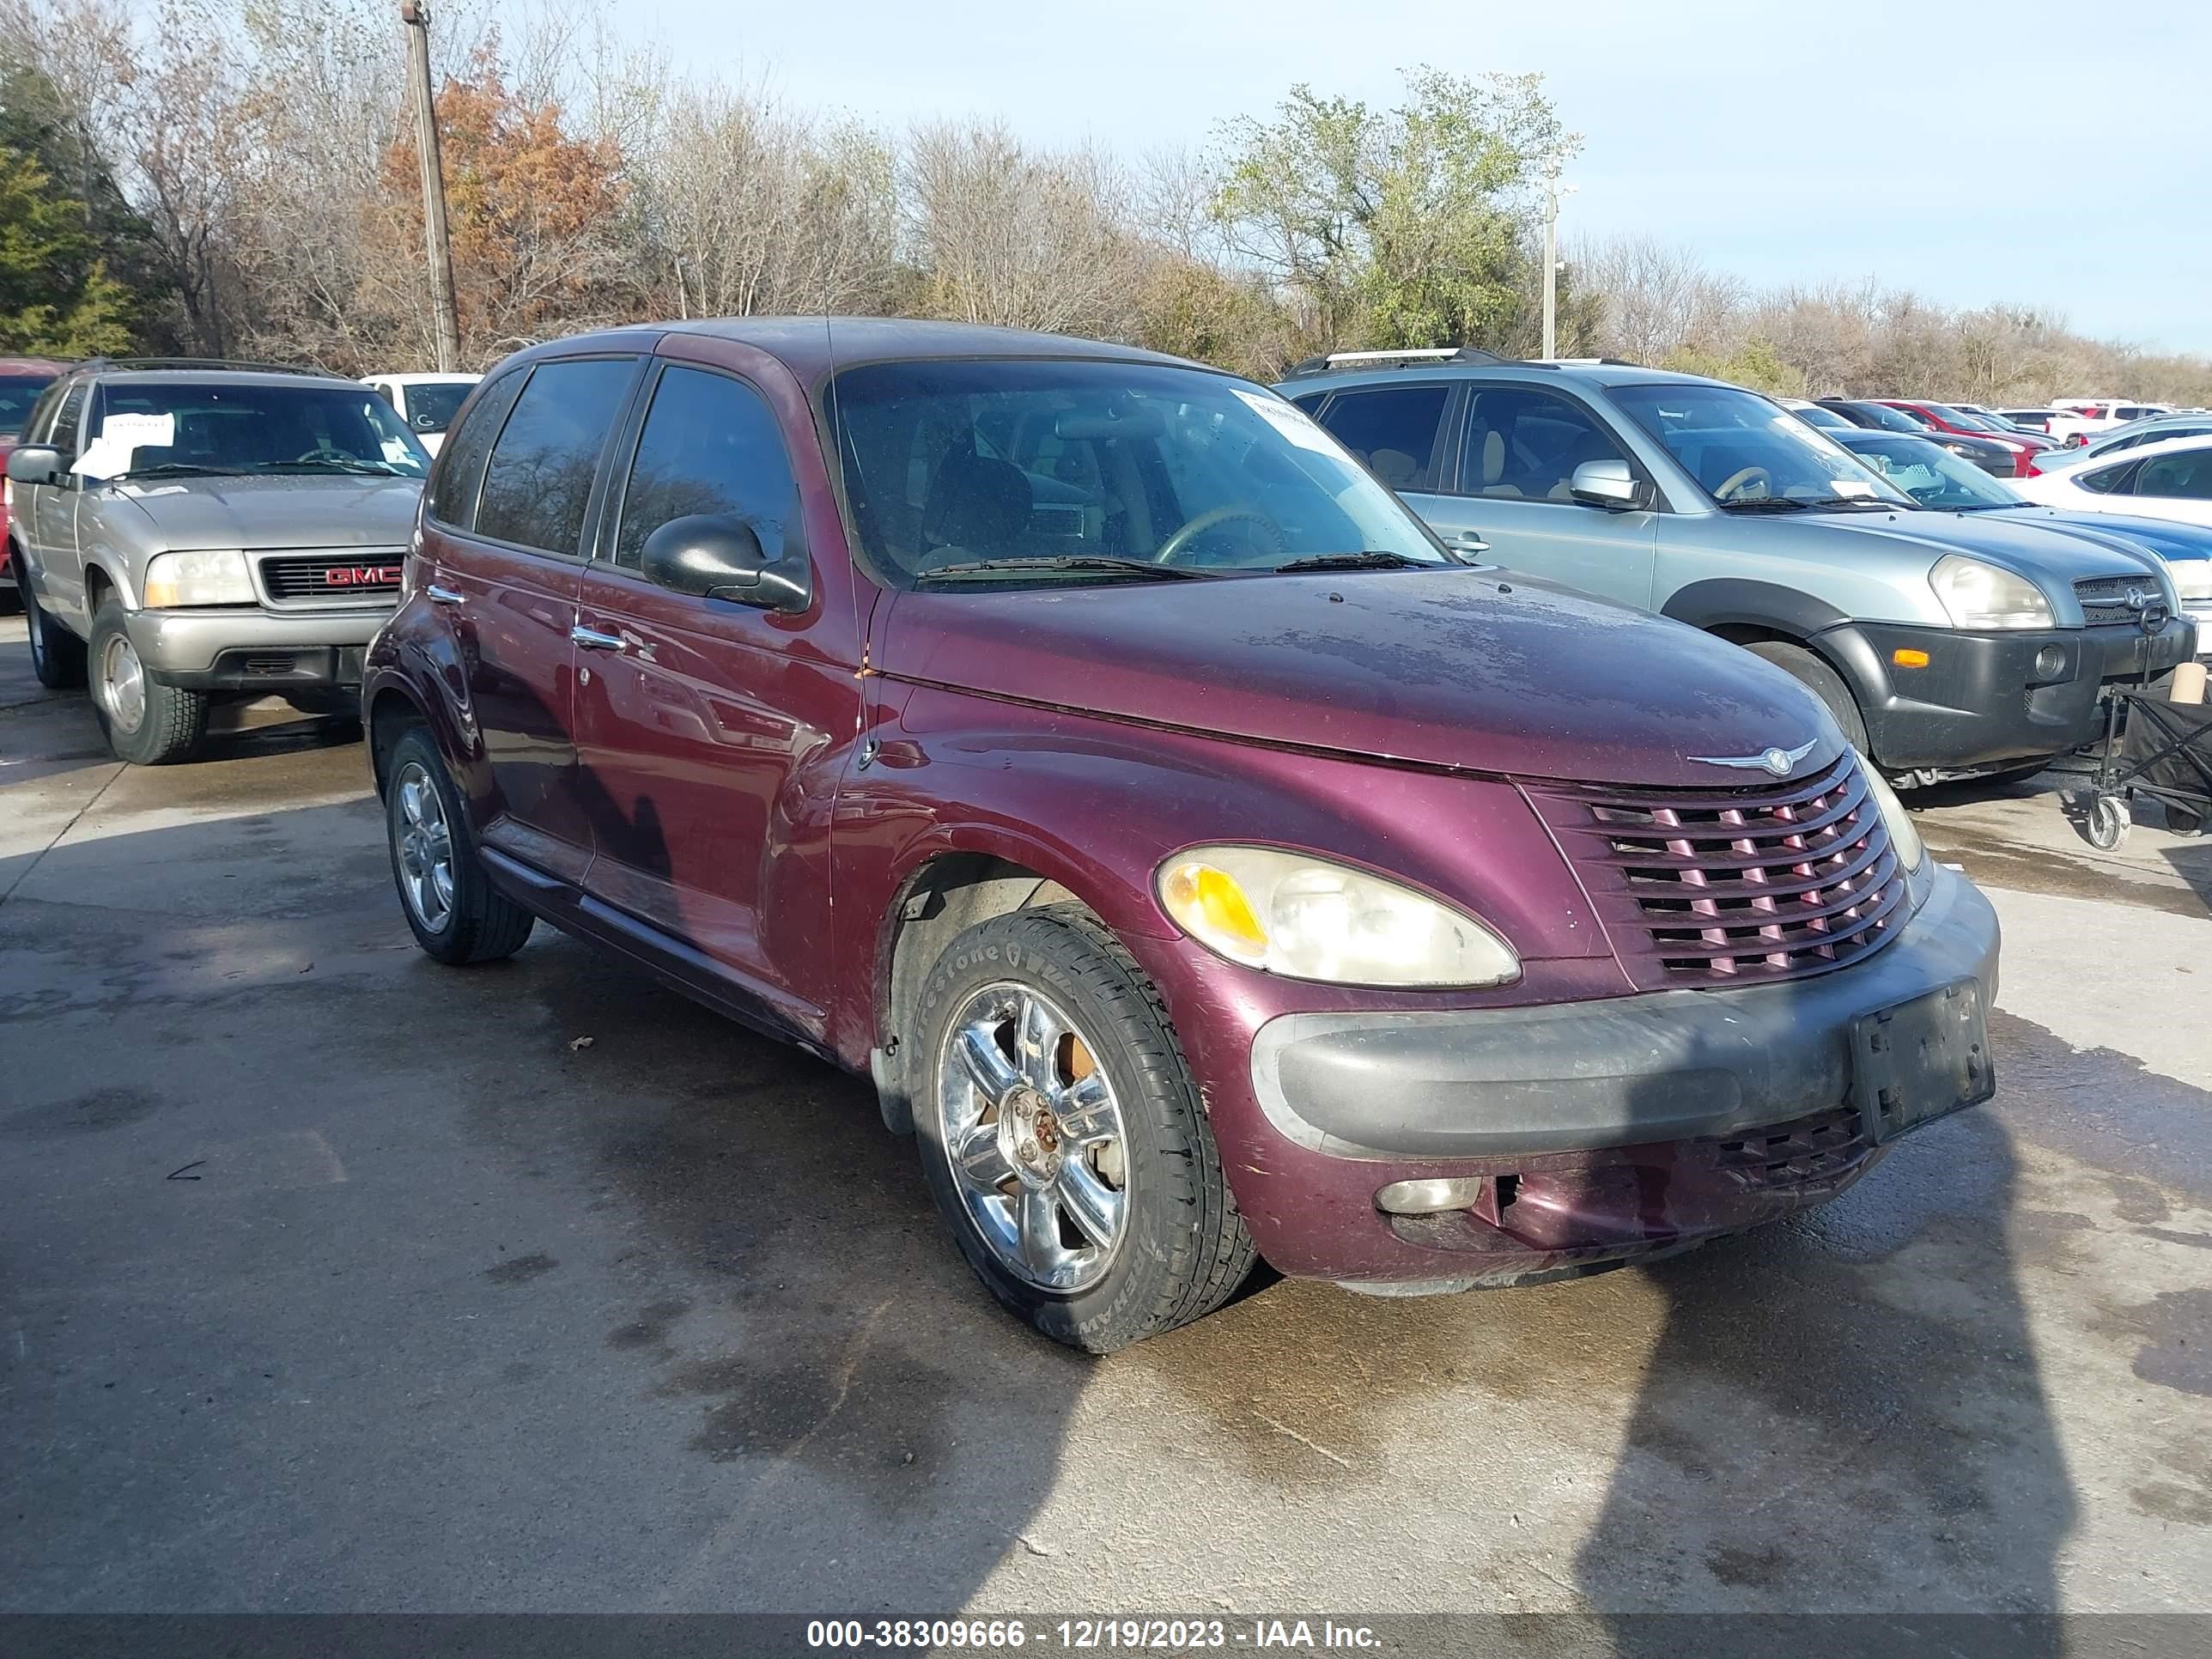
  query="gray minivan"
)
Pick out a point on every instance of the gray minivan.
point(1946, 645)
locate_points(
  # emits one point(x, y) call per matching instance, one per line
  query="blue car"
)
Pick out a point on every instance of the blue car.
point(1936, 479)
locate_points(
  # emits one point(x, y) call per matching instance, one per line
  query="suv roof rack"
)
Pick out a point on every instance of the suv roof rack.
point(1412, 357)
point(245, 365)
point(1581, 362)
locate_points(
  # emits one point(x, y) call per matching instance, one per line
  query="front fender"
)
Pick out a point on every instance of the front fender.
point(1741, 602)
point(1095, 804)
point(415, 661)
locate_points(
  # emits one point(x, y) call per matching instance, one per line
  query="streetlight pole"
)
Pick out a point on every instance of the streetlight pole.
point(416, 15)
point(1553, 190)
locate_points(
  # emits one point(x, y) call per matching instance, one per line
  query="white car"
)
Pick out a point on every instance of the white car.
point(2094, 416)
point(428, 403)
point(2171, 479)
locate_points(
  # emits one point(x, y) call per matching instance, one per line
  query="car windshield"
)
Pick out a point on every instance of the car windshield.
point(432, 404)
point(1749, 454)
point(148, 428)
point(1966, 418)
point(1826, 419)
point(1023, 470)
point(18, 393)
point(1890, 420)
point(1929, 473)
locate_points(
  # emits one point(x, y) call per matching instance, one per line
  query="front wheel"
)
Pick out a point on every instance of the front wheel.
point(1822, 681)
point(56, 654)
point(148, 723)
point(1062, 1137)
point(2109, 822)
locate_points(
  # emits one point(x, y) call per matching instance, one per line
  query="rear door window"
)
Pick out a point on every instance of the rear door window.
point(710, 446)
point(2187, 475)
point(539, 483)
point(1394, 430)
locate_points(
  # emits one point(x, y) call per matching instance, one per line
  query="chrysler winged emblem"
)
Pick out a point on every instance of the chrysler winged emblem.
point(1778, 760)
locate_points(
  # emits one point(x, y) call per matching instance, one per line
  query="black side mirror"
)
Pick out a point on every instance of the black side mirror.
point(719, 557)
point(34, 463)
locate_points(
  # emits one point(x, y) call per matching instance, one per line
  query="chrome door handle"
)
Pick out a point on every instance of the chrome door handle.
point(438, 595)
point(1465, 541)
point(592, 639)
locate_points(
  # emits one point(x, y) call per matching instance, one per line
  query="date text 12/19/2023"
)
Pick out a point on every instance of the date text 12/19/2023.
point(1147, 1635)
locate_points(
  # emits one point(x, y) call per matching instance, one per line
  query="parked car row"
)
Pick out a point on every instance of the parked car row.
point(1944, 644)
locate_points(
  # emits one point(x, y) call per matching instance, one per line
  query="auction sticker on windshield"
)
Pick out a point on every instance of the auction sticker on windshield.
point(1292, 422)
point(120, 435)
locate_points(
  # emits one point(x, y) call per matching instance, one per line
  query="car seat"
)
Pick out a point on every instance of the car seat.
point(1487, 444)
point(977, 504)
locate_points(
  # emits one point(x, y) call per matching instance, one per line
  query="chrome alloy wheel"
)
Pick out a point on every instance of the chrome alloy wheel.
point(425, 845)
point(1034, 1138)
point(122, 684)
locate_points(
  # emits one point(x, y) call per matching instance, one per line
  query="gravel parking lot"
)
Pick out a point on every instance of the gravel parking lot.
point(333, 1279)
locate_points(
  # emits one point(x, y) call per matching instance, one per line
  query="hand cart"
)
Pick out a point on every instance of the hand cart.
point(2165, 753)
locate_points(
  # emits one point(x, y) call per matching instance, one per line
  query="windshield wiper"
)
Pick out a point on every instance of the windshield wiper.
point(175, 469)
point(1078, 562)
point(358, 469)
point(1373, 560)
point(1808, 504)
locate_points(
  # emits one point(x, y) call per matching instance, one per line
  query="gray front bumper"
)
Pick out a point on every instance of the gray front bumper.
point(1632, 1070)
point(184, 643)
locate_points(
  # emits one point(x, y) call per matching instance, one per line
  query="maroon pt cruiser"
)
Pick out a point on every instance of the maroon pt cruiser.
point(1206, 861)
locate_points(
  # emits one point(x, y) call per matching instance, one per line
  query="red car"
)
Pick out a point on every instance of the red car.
point(1204, 860)
point(1944, 418)
point(21, 380)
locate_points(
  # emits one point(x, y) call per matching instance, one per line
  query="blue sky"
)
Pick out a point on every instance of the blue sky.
point(2056, 154)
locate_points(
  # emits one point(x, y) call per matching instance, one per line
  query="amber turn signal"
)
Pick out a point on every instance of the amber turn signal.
point(1904, 659)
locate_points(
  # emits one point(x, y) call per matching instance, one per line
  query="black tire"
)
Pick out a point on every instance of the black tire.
point(56, 654)
point(481, 924)
point(172, 720)
point(1822, 681)
point(2184, 820)
point(1183, 1250)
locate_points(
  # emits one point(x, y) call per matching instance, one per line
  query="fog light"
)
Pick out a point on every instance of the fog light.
point(1428, 1197)
point(1904, 659)
point(2049, 661)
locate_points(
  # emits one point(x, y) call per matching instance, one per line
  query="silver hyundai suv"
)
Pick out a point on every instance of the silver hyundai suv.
point(1946, 644)
point(183, 533)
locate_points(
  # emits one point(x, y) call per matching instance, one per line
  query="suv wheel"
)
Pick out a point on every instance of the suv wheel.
point(1822, 681)
point(146, 723)
point(1062, 1137)
point(457, 916)
point(56, 654)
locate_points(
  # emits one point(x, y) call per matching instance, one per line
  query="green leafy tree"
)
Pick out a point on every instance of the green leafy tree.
point(1755, 363)
point(56, 297)
point(1399, 228)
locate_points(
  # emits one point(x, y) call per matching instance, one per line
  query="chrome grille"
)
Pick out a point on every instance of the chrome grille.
point(1699, 886)
point(350, 576)
point(2104, 599)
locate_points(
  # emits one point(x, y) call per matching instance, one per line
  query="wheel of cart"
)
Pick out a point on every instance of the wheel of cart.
point(2162, 750)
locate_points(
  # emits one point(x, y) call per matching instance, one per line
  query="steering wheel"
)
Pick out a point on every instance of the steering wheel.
point(324, 452)
point(1741, 477)
point(1205, 521)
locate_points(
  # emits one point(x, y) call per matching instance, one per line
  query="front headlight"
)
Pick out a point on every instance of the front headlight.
point(1307, 918)
point(2192, 579)
point(217, 576)
point(1902, 835)
point(1981, 595)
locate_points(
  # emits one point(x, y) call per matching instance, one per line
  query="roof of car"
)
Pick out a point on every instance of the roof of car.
point(2141, 451)
point(810, 345)
point(175, 369)
point(469, 376)
point(31, 364)
point(1528, 372)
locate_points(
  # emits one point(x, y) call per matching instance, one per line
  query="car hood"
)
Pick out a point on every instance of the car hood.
point(308, 511)
point(2167, 538)
point(2053, 557)
point(1454, 668)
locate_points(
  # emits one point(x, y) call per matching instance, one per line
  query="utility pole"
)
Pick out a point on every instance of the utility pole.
point(1553, 190)
point(416, 15)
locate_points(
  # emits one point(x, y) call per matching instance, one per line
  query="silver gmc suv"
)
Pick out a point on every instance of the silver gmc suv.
point(1946, 644)
point(187, 532)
